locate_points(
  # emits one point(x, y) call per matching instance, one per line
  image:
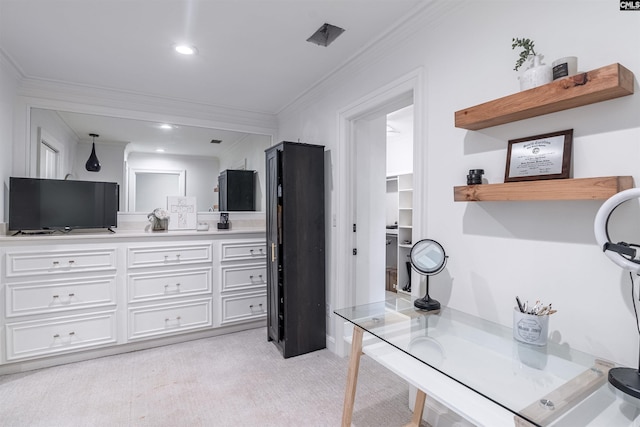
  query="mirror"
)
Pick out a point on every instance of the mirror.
point(427, 258)
point(143, 156)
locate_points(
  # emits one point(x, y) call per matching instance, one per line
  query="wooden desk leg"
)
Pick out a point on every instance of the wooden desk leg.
point(418, 408)
point(352, 376)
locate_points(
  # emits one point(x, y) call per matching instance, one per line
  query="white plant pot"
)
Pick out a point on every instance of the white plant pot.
point(537, 75)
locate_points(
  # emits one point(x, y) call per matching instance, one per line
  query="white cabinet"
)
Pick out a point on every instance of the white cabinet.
point(243, 281)
point(169, 283)
point(163, 319)
point(63, 296)
point(56, 295)
point(169, 289)
point(59, 300)
point(60, 334)
point(58, 262)
point(172, 255)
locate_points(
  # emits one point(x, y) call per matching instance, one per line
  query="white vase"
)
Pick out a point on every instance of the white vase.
point(537, 75)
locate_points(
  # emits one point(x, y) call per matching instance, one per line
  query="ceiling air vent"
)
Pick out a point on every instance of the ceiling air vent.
point(216, 141)
point(325, 35)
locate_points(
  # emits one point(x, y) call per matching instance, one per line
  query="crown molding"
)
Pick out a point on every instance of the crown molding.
point(105, 101)
point(10, 65)
point(417, 20)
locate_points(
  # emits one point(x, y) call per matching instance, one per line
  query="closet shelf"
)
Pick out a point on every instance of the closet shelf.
point(601, 84)
point(599, 188)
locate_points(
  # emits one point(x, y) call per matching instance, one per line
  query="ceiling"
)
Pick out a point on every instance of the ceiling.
point(252, 54)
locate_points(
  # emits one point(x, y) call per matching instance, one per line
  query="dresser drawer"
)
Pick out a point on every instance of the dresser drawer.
point(243, 307)
point(57, 262)
point(240, 277)
point(169, 284)
point(169, 255)
point(59, 295)
point(166, 319)
point(60, 334)
point(252, 250)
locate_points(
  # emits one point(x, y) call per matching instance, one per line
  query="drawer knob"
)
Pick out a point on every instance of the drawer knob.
point(56, 263)
point(56, 296)
point(71, 262)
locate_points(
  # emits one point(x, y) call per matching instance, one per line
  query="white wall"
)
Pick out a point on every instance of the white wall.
point(537, 250)
point(201, 178)
point(8, 86)
point(400, 143)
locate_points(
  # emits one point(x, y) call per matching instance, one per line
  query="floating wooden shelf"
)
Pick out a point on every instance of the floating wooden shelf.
point(602, 84)
point(600, 188)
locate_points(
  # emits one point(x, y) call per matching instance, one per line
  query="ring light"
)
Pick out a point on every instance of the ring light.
point(623, 254)
point(612, 250)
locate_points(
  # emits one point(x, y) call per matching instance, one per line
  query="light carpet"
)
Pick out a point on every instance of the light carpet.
point(230, 380)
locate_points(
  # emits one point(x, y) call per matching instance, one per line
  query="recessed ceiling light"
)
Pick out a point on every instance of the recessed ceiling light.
point(186, 49)
point(159, 150)
point(166, 126)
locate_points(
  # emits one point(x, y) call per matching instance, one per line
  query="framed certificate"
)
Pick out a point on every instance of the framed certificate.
point(546, 156)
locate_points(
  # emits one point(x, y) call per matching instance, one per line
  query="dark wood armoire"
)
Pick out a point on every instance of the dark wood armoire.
point(296, 248)
point(237, 190)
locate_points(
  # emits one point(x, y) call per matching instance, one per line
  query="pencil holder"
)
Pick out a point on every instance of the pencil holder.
point(530, 328)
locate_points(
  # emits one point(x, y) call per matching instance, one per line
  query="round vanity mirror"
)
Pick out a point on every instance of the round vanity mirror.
point(427, 258)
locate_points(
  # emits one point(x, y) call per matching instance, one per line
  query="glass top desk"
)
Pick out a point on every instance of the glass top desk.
point(477, 369)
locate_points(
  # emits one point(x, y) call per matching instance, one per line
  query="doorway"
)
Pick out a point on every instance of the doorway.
point(399, 200)
point(361, 124)
point(382, 158)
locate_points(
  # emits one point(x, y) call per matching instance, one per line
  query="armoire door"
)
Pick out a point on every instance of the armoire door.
point(272, 244)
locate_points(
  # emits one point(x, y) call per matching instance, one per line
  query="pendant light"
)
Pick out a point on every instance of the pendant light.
point(93, 164)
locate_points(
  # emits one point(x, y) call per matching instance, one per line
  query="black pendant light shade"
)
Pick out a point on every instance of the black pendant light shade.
point(93, 164)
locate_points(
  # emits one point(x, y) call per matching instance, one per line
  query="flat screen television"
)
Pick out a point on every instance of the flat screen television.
point(37, 204)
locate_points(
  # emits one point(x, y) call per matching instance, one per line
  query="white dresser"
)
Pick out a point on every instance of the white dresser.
point(70, 298)
point(243, 281)
point(59, 300)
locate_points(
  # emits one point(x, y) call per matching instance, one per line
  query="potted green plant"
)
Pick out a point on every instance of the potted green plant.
point(528, 50)
point(538, 73)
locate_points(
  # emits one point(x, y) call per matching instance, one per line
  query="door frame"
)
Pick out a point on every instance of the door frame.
point(411, 84)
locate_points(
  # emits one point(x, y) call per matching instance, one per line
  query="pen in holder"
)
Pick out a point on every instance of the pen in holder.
point(224, 223)
point(530, 328)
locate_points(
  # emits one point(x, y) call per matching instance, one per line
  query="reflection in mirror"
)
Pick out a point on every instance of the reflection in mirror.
point(148, 189)
point(60, 146)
